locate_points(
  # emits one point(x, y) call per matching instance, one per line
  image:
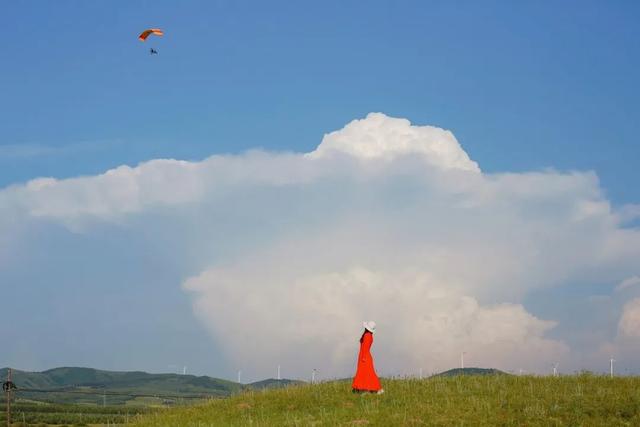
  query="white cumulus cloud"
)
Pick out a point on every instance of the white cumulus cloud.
point(385, 220)
point(381, 137)
point(629, 325)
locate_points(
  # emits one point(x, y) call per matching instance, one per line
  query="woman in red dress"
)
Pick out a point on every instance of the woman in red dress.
point(366, 379)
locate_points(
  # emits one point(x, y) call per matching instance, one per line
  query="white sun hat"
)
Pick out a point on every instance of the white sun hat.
point(370, 326)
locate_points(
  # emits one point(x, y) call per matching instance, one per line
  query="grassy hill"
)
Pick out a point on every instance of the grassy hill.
point(460, 400)
point(85, 396)
point(94, 383)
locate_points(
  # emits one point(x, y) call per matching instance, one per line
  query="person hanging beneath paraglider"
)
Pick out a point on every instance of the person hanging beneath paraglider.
point(366, 379)
point(146, 33)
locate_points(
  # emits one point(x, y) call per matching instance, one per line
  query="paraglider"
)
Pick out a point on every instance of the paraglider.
point(146, 33)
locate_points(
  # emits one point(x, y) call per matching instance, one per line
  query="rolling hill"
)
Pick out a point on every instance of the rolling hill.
point(99, 387)
point(455, 400)
point(87, 385)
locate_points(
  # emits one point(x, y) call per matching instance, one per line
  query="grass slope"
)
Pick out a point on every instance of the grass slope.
point(471, 371)
point(273, 383)
point(467, 400)
point(41, 414)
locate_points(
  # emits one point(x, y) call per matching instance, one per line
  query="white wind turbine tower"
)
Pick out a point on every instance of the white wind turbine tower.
point(462, 359)
point(184, 370)
point(313, 376)
point(239, 377)
point(611, 366)
point(279, 373)
point(555, 369)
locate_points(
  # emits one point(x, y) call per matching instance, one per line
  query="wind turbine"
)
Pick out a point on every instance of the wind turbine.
point(462, 359)
point(279, 373)
point(555, 369)
point(239, 377)
point(313, 376)
point(611, 366)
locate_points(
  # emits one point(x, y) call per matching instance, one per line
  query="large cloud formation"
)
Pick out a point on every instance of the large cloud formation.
point(385, 220)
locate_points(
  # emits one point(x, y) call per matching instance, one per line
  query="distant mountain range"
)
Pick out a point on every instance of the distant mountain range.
point(87, 385)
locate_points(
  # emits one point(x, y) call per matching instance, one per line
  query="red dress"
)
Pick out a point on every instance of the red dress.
point(366, 378)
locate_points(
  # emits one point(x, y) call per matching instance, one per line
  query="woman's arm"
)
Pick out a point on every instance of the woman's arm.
point(367, 341)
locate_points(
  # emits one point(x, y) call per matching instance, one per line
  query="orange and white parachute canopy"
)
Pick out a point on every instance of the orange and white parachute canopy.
point(146, 33)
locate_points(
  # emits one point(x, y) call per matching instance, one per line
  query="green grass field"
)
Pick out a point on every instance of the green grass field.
point(498, 400)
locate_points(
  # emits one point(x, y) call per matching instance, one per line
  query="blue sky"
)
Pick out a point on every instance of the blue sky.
point(527, 86)
point(523, 87)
